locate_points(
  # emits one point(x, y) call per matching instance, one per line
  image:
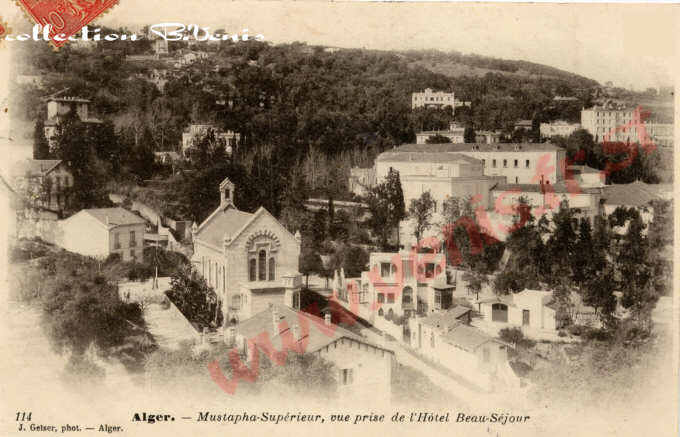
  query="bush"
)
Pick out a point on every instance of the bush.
point(561, 334)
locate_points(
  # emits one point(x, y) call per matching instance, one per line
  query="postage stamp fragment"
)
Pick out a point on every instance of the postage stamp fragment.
point(65, 17)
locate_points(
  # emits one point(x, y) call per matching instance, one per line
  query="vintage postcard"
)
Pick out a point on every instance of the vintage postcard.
point(338, 218)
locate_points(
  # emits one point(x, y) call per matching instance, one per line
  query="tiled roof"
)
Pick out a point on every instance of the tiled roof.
point(318, 336)
point(445, 320)
point(476, 147)
point(223, 221)
point(34, 167)
point(418, 156)
point(559, 187)
point(466, 337)
point(633, 194)
point(114, 216)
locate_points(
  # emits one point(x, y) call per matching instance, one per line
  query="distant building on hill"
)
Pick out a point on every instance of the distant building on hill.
point(435, 99)
point(47, 179)
point(455, 134)
point(195, 132)
point(59, 107)
point(559, 127)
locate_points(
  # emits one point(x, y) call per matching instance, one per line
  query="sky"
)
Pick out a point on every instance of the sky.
point(630, 45)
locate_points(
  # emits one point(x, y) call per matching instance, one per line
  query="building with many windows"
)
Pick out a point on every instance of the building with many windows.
point(611, 123)
point(59, 107)
point(520, 163)
point(250, 260)
point(435, 99)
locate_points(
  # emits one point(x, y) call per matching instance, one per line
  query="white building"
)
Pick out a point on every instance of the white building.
point(455, 133)
point(525, 163)
point(101, 232)
point(430, 98)
point(250, 260)
point(558, 128)
point(531, 309)
point(363, 369)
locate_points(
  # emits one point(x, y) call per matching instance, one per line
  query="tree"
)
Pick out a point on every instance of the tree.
point(310, 262)
point(386, 205)
point(41, 147)
point(469, 135)
point(420, 211)
point(437, 139)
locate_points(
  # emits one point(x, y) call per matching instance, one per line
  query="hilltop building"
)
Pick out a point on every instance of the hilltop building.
point(435, 99)
point(250, 260)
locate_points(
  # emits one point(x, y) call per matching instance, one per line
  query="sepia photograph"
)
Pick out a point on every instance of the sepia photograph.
point(338, 218)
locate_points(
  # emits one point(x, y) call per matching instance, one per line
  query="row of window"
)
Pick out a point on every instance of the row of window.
point(116, 240)
point(494, 163)
point(429, 270)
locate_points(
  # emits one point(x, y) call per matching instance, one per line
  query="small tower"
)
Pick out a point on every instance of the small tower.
point(227, 194)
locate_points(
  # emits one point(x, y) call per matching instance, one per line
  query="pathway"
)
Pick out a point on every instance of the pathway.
point(167, 324)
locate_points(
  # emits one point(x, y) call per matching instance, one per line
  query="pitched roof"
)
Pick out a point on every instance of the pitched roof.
point(476, 147)
point(466, 337)
point(114, 216)
point(221, 222)
point(633, 194)
point(318, 336)
point(419, 156)
point(34, 167)
point(446, 320)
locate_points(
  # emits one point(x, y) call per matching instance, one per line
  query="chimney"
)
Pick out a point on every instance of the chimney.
point(327, 319)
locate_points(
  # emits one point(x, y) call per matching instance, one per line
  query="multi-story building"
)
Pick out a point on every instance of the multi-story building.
point(58, 107)
point(102, 232)
point(559, 127)
point(250, 260)
point(197, 131)
point(520, 163)
point(430, 98)
point(48, 181)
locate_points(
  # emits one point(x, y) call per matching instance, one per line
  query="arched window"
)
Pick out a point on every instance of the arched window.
point(407, 295)
point(252, 269)
point(272, 269)
point(262, 266)
point(381, 312)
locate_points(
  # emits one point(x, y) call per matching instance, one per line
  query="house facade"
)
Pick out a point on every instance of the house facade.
point(530, 309)
point(362, 369)
point(250, 260)
point(48, 181)
point(447, 339)
point(102, 232)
